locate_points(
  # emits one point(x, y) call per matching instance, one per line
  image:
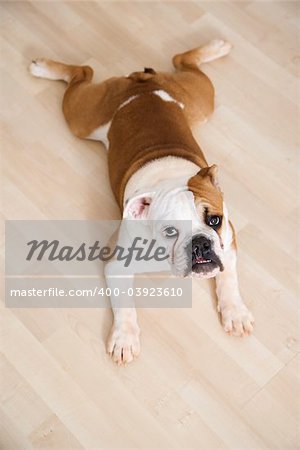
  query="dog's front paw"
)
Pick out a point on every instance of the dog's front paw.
point(236, 319)
point(124, 343)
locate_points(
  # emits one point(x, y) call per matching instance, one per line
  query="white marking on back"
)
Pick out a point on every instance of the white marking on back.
point(167, 97)
point(129, 100)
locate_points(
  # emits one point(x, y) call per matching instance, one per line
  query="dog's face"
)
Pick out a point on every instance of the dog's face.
point(190, 222)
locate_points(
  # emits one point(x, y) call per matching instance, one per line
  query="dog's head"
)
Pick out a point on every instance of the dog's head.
point(190, 221)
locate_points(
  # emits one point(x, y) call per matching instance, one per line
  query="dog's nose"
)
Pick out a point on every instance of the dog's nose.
point(201, 246)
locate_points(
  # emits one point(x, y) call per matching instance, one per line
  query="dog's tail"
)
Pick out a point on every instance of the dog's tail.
point(194, 58)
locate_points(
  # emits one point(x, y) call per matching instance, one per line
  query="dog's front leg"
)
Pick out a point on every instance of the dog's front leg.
point(123, 342)
point(236, 318)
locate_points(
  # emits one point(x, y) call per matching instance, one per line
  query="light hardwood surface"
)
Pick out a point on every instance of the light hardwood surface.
point(192, 386)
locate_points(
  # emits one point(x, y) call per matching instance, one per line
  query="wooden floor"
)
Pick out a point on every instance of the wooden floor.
point(193, 386)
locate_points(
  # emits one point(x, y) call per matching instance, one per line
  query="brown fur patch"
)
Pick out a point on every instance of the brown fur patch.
point(148, 128)
point(205, 188)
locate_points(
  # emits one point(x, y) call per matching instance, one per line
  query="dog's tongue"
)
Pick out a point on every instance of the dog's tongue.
point(199, 259)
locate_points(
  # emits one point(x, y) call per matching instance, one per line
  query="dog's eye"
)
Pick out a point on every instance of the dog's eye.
point(171, 232)
point(214, 221)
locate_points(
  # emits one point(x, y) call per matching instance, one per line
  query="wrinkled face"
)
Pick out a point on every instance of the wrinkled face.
point(190, 222)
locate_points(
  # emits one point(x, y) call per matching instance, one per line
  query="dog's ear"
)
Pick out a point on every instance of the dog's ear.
point(137, 207)
point(212, 173)
point(206, 174)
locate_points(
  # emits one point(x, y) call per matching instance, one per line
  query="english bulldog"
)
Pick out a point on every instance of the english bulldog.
point(158, 172)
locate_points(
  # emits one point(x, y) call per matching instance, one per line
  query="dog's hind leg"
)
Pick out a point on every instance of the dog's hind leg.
point(75, 107)
point(88, 108)
point(193, 59)
point(54, 70)
point(192, 87)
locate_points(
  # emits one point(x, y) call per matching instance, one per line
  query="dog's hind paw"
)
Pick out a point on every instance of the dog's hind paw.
point(39, 68)
point(220, 46)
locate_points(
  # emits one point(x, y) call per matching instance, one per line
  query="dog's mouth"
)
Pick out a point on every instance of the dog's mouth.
point(203, 265)
point(206, 267)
